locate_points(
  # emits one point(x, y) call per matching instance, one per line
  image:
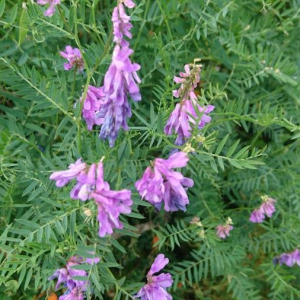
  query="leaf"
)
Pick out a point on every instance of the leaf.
point(221, 163)
point(23, 26)
point(160, 123)
point(232, 148)
point(80, 278)
point(13, 14)
point(61, 126)
point(28, 223)
point(116, 244)
point(36, 128)
point(85, 267)
point(235, 164)
point(213, 165)
point(221, 145)
point(2, 7)
point(28, 278)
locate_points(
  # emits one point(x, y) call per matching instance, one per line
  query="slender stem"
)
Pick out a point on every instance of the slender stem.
point(74, 80)
point(165, 19)
point(63, 18)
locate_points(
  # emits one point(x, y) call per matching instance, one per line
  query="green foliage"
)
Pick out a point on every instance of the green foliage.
point(251, 62)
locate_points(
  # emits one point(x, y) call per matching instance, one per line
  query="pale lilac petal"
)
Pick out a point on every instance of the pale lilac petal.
point(257, 216)
point(129, 3)
point(159, 263)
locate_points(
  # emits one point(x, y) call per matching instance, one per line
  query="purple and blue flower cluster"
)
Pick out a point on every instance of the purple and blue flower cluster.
point(266, 208)
point(90, 184)
point(121, 79)
point(75, 288)
point(162, 184)
point(289, 259)
point(156, 284)
point(188, 112)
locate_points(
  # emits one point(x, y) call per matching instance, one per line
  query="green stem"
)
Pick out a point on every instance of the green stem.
point(74, 80)
point(63, 18)
point(165, 19)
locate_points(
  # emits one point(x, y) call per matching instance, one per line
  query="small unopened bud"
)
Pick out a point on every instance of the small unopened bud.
point(196, 221)
point(202, 233)
point(229, 221)
point(24, 5)
point(87, 212)
point(188, 148)
point(200, 139)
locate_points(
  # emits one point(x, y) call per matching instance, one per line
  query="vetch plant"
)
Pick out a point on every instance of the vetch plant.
point(84, 217)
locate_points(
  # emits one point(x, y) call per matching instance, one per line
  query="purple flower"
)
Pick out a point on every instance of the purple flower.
point(266, 208)
point(119, 81)
point(162, 184)
point(61, 275)
point(110, 204)
point(92, 261)
point(64, 177)
point(65, 276)
point(188, 112)
point(51, 9)
point(91, 106)
point(257, 216)
point(121, 25)
point(129, 3)
point(85, 176)
point(223, 230)
point(156, 286)
point(71, 283)
point(74, 57)
point(289, 259)
point(90, 184)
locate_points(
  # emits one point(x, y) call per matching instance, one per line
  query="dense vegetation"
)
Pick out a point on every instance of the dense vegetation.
point(250, 58)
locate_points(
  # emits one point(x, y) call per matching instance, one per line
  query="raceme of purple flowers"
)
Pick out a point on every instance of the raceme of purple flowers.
point(91, 185)
point(289, 259)
point(119, 82)
point(266, 208)
point(75, 288)
point(160, 184)
point(51, 9)
point(74, 57)
point(121, 79)
point(108, 105)
point(156, 284)
point(187, 112)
